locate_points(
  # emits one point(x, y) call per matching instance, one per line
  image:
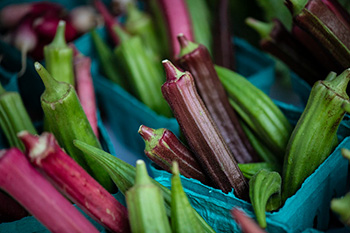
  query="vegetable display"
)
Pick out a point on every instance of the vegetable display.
point(213, 133)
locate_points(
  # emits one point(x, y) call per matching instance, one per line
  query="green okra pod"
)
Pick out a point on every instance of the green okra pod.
point(261, 188)
point(258, 111)
point(146, 204)
point(123, 175)
point(250, 169)
point(14, 117)
point(144, 75)
point(107, 60)
point(141, 23)
point(183, 218)
point(59, 57)
point(263, 152)
point(201, 19)
point(341, 207)
point(66, 119)
point(315, 135)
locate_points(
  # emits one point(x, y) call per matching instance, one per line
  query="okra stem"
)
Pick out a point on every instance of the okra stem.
point(59, 56)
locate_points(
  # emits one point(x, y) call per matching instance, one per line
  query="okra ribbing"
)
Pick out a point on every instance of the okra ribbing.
point(67, 121)
point(201, 132)
point(315, 134)
point(14, 117)
point(123, 174)
point(183, 218)
point(74, 182)
point(196, 59)
point(58, 215)
point(163, 147)
point(146, 204)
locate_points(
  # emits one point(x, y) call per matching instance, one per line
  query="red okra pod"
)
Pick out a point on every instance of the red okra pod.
point(74, 182)
point(163, 147)
point(201, 133)
point(25, 184)
point(196, 59)
point(178, 21)
point(85, 88)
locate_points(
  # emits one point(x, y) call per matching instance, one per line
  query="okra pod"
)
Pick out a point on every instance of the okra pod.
point(14, 117)
point(40, 198)
point(59, 57)
point(178, 21)
point(85, 88)
point(74, 182)
point(315, 134)
point(183, 219)
point(247, 224)
point(140, 23)
point(146, 204)
point(223, 48)
point(257, 110)
point(67, 121)
point(196, 59)
point(123, 175)
point(201, 133)
point(201, 19)
point(144, 75)
point(263, 152)
point(110, 23)
point(163, 147)
point(107, 60)
point(279, 42)
point(261, 187)
point(250, 169)
point(329, 38)
point(341, 207)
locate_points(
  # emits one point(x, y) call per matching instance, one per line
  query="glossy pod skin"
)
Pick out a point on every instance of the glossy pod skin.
point(183, 218)
point(66, 119)
point(163, 147)
point(146, 204)
point(196, 59)
point(33, 191)
point(258, 111)
point(201, 132)
point(74, 182)
point(123, 175)
point(315, 135)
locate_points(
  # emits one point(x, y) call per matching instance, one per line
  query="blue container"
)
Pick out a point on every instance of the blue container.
point(308, 206)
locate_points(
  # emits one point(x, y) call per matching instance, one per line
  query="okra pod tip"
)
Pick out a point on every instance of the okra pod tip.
point(149, 135)
point(59, 41)
point(186, 46)
point(172, 73)
point(53, 89)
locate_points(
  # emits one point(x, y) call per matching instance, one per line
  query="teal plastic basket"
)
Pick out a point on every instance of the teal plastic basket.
point(308, 208)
